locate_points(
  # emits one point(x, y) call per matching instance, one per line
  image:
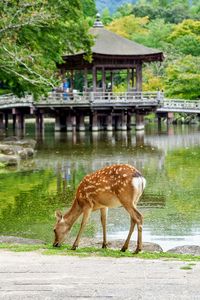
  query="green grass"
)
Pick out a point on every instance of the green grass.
point(91, 251)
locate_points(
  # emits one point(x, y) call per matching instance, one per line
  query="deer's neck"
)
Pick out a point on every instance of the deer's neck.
point(73, 213)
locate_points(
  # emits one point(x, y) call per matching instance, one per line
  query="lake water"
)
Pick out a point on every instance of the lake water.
point(168, 159)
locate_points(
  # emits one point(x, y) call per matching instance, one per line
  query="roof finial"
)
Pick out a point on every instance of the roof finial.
point(98, 22)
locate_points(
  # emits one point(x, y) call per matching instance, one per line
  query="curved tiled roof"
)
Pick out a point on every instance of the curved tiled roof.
point(109, 43)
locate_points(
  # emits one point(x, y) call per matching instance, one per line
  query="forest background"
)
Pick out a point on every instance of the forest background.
point(35, 34)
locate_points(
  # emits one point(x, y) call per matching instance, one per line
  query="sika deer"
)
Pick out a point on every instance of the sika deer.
point(112, 186)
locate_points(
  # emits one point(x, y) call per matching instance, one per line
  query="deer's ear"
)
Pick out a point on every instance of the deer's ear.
point(58, 215)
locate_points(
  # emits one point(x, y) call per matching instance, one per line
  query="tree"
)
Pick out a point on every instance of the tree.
point(183, 78)
point(89, 8)
point(128, 26)
point(34, 35)
point(186, 37)
point(106, 17)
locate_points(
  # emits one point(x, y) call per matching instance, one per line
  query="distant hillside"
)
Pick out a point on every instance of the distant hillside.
point(112, 5)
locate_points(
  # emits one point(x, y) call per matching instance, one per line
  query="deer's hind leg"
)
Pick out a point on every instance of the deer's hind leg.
point(126, 244)
point(104, 212)
point(136, 218)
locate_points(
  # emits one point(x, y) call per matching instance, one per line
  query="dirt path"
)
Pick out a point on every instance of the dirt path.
point(35, 276)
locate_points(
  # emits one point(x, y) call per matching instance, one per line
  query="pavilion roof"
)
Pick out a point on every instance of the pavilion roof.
point(109, 43)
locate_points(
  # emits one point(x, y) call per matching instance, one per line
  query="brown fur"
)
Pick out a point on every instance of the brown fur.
point(109, 187)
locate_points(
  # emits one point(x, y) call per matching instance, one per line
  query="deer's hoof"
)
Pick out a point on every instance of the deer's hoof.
point(137, 251)
point(123, 249)
point(73, 247)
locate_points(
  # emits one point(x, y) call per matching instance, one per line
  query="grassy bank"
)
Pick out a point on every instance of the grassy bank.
point(91, 251)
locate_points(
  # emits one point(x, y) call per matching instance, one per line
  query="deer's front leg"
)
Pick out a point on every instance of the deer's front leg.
point(86, 215)
point(104, 212)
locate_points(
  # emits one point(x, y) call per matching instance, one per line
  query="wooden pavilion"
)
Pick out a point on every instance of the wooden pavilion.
point(110, 54)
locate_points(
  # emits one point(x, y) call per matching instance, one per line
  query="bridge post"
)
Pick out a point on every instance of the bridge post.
point(109, 126)
point(124, 121)
point(170, 117)
point(6, 120)
point(129, 121)
point(1, 121)
point(139, 121)
point(39, 122)
point(70, 121)
point(118, 120)
point(94, 120)
point(80, 122)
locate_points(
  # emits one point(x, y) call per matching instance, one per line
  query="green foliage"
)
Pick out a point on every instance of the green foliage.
point(128, 26)
point(186, 37)
point(106, 17)
point(183, 78)
point(34, 36)
point(89, 8)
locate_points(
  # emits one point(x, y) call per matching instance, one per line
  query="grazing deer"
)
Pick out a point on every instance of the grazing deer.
point(112, 186)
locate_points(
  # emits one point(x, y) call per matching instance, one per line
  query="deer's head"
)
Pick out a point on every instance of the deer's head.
point(60, 229)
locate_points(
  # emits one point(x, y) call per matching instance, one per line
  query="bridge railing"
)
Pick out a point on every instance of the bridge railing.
point(181, 104)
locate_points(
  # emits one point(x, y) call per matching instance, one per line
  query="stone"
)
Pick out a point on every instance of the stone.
point(20, 240)
point(9, 160)
point(186, 249)
point(6, 149)
point(25, 143)
point(116, 244)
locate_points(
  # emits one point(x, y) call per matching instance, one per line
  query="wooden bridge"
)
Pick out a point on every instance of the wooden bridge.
point(99, 110)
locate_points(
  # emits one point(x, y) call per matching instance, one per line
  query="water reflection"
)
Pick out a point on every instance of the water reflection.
point(170, 204)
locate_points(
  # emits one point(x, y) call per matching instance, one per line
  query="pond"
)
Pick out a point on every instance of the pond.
point(169, 159)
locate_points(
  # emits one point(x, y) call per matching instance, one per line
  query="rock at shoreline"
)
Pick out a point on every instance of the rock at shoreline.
point(187, 249)
point(13, 149)
point(25, 143)
point(9, 160)
point(19, 240)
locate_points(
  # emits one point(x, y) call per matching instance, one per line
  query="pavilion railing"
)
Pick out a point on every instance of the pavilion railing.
point(100, 97)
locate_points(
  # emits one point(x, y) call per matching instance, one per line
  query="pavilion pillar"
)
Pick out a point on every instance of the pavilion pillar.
point(139, 121)
point(95, 126)
point(139, 77)
point(111, 80)
point(85, 79)
point(72, 79)
point(109, 126)
point(103, 80)
point(20, 121)
point(94, 78)
point(128, 79)
point(132, 77)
